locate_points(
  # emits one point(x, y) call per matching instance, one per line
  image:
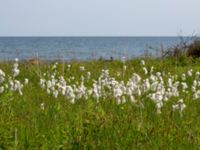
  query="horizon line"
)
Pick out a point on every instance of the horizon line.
point(106, 36)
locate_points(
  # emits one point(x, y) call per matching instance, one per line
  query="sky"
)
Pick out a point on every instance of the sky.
point(99, 17)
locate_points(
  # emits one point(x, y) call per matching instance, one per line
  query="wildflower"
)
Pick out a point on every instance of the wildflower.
point(55, 93)
point(189, 72)
point(118, 100)
point(132, 98)
point(194, 83)
point(69, 93)
point(15, 69)
point(183, 77)
point(193, 89)
point(180, 106)
point(82, 68)
point(142, 62)
point(184, 86)
point(88, 75)
point(196, 95)
point(159, 105)
point(138, 91)
point(16, 86)
point(153, 78)
point(2, 73)
point(136, 78)
point(158, 74)
point(170, 82)
point(69, 66)
point(123, 100)
point(1, 89)
point(48, 91)
point(42, 83)
point(145, 70)
point(54, 66)
point(146, 85)
point(197, 75)
point(26, 81)
point(118, 74)
point(42, 106)
point(72, 78)
point(82, 78)
point(152, 68)
point(2, 76)
point(117, 92)
point(158, 97)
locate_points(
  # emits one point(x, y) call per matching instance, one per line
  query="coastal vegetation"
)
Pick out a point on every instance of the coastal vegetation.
point(143, 103)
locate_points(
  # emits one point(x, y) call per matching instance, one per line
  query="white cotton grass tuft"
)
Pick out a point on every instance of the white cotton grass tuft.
point(142, 62)
point(88, 75)
point(155, 85)
point(82, 68)
point(190, 72)
point(10, 83)
point(1, 89)
point(26, 81)
point(180, 106)
point(2, 76)
point(196, 95)
point(15, 69)
point(42, 106)
point(145, 70)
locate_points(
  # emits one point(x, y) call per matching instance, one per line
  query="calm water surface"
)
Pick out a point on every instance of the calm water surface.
point(81, 48)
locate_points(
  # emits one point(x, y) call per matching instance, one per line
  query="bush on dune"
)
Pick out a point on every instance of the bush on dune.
point(194, 49)
point(186, 48)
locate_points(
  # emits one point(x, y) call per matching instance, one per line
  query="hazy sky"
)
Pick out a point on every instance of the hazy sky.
point(99, 17)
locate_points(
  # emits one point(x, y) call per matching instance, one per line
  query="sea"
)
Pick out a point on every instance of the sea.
point(83, 48)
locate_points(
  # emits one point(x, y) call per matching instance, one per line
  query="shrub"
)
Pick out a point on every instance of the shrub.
point(188, 48)
point(194, 49)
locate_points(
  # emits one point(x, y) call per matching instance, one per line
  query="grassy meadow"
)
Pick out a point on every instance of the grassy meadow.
point(42, 116)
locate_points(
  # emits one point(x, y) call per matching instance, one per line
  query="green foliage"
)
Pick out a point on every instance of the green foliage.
point(194, 49)
point(88, 125)
point(184, 49)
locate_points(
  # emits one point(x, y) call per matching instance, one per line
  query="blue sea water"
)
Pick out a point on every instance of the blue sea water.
point(81, 48)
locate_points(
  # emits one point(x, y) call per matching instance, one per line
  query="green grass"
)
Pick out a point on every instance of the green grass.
point(90, 125)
